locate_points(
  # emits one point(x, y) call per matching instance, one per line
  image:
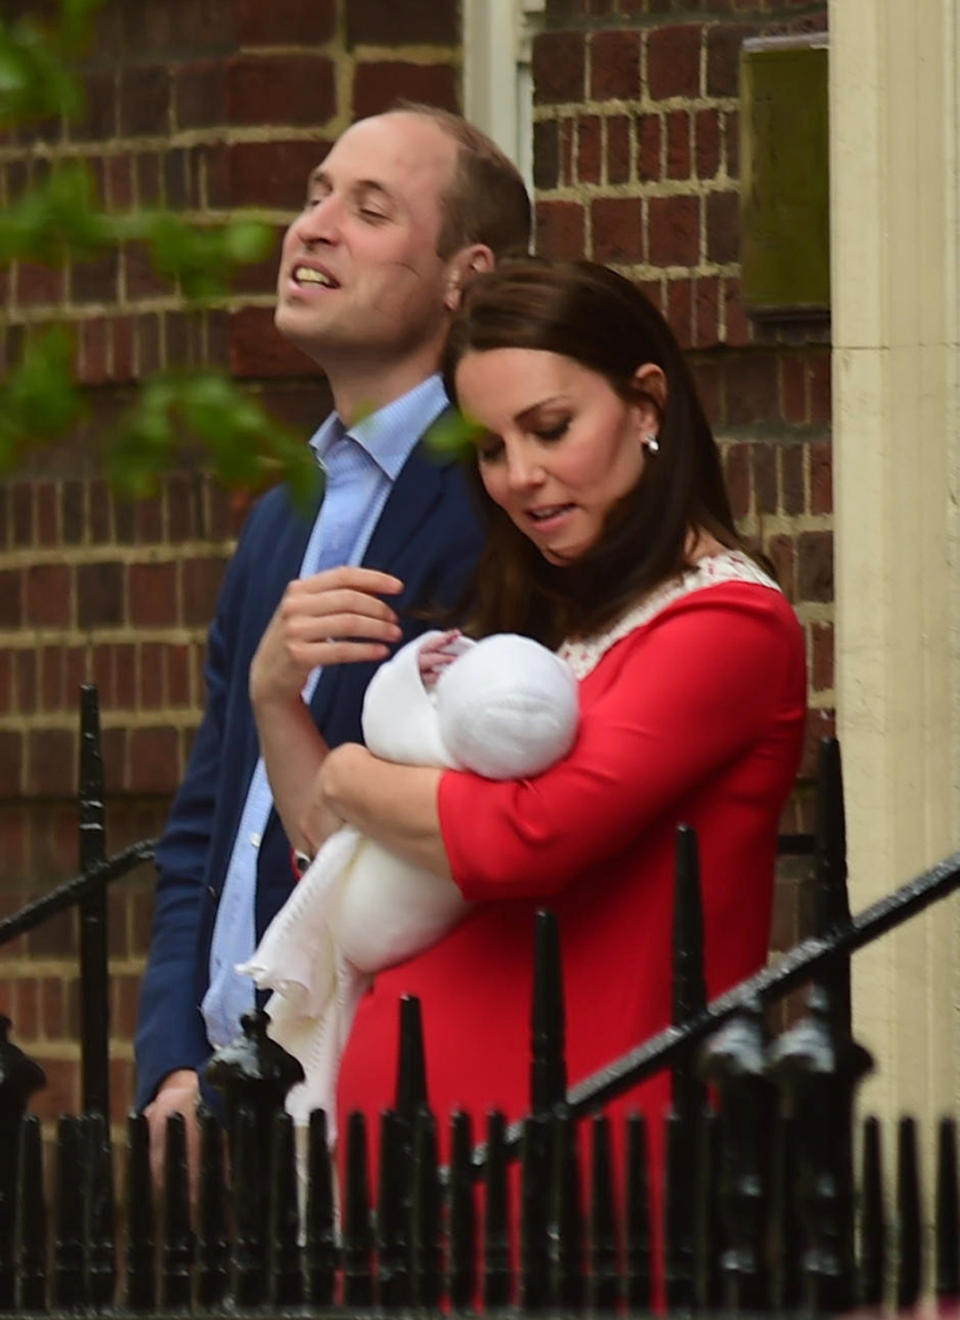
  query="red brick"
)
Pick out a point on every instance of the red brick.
point(11, 762)
point(75, 672)
point(617, 224)
point(94, 347)
point(178, 675)
point(200, 94)
point(765, 477)
point(706, 312)
point(48, 603)
point(674, 231)
point(125, 670)
point(22, 510)
point(821, 656)
point(114, 747)
point(737, 473)
point(11, 598)
point(47, 507)
point(154, 760)
point(25, 669)
point(792, 494)
point(153, 595)
point(723, 227)
point(821, 478)
point(678, 144)
point(148, 178)
point(614, 66)
point(27, 1017)
point(98, 120)
point(815, 566)
point(736, 325)
point(272, 173)
point(652, 290)
point(546, 154)
point(61, 1095)
point(118, 171)
point(36, 285)
point(782, 554)
point(793, 389)
point(201, 583)
point(284, 22)
point(559, 64)
point(100, 596)
point(52, 1012)
point(680, 310)
point(144, 102)
point(150, 669)
point(649, 137)
point(820, 389)
point(415, 22)
point(723, 59)
point(618, 149)
point(123, 347)
point(6, 682)
point(257, 350)
point(280, 89)
point(378, 86)
point(51, 760)
point(148, 343)
point(673, 62)
point(100, 506)
point(589, 149)
point(707, 127)
point(752, 389)
point(560, 230)
point(95, 281)
point(148, 520)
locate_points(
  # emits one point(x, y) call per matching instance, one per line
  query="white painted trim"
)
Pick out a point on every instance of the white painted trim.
point(497, 85)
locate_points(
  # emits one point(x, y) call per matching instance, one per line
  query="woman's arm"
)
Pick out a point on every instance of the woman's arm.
point(394, 804)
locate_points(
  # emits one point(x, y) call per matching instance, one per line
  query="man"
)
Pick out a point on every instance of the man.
point(405, 208)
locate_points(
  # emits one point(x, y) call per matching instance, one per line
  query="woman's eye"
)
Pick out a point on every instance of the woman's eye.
point(489, 451)
point(553, 431)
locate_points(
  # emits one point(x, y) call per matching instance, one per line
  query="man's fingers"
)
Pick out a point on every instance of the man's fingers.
point(367, 580)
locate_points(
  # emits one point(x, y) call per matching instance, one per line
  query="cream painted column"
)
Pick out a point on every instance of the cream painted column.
point(895, 188)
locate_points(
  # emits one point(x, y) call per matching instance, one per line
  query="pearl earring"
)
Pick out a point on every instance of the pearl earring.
point(652, 443)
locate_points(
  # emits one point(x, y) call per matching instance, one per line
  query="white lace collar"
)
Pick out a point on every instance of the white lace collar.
point(729, 566)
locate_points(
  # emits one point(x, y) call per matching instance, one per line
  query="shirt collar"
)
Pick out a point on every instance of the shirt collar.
point(390, 434)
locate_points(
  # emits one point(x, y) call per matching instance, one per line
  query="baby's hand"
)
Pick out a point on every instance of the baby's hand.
point(433, 658)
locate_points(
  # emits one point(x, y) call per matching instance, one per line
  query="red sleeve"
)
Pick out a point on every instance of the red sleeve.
point(690, 692)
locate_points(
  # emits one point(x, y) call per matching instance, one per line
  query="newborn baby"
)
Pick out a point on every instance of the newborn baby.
point(505, 708)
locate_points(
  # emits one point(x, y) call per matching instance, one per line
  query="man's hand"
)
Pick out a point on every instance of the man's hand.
point(176, 1094)
point(333, 617)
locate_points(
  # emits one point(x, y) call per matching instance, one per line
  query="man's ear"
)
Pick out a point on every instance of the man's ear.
point(463, 266)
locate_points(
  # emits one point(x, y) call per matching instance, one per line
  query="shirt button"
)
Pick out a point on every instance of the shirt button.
point(211, 892)
point(255, 839)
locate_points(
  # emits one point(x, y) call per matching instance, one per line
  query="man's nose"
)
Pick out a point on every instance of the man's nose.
point(320, 223)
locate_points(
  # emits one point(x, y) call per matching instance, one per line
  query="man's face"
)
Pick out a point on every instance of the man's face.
point(359, 271)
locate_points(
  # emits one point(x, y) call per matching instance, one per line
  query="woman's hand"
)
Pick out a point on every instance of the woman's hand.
point(322, 817)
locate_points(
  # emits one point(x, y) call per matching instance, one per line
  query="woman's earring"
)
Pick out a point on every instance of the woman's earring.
point(651, 443)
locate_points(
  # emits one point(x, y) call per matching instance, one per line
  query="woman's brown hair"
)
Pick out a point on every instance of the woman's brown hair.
point(600, 320)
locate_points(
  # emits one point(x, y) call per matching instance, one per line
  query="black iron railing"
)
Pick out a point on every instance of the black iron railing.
point(758, 1204)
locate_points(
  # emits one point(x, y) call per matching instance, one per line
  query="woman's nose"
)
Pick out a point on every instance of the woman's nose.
point(524, 469)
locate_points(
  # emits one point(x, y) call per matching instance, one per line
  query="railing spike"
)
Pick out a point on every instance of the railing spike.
point(101, 1261)
point(787, 1280)
point(548, 1071)
point(689, 989)
point(357, 1232)
point(604, 1275)
point(565, 1226)
point(411, 1089)
point(92, 852)
point(31, 1238)
point(393, 1216)
point(248, 1274)
point(873, 1226)
point(285, 1274)
point(639, 1251)
point(176, 1252)
point(321, 1248)
point(68, 1283)
point(496, 1248)
point(535, 1209)
point(426, 1254)
point(909, 1249)
point(140, 1274)
point(19, 1078)
point(213, 1246)
point(947, 1218)
point(461, 1270)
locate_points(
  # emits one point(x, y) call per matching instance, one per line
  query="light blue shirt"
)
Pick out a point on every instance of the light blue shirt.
point(361, 466)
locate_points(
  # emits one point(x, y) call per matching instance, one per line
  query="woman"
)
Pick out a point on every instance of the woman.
point(611, 538)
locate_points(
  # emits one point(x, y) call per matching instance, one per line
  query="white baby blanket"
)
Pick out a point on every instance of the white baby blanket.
point(506, 709)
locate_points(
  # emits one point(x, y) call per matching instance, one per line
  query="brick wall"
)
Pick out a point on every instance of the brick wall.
point(636, 146)
point(203, 105)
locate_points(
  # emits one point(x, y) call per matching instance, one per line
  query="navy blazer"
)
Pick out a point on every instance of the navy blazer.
point(429, 536)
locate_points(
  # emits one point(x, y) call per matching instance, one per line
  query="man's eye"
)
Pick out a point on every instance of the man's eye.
point(372, 214)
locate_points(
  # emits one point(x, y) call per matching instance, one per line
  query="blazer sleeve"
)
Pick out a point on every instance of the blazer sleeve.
point(693, 690)
point(170, 1031)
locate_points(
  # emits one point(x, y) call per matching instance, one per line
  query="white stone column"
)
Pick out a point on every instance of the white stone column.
point(895, 198)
